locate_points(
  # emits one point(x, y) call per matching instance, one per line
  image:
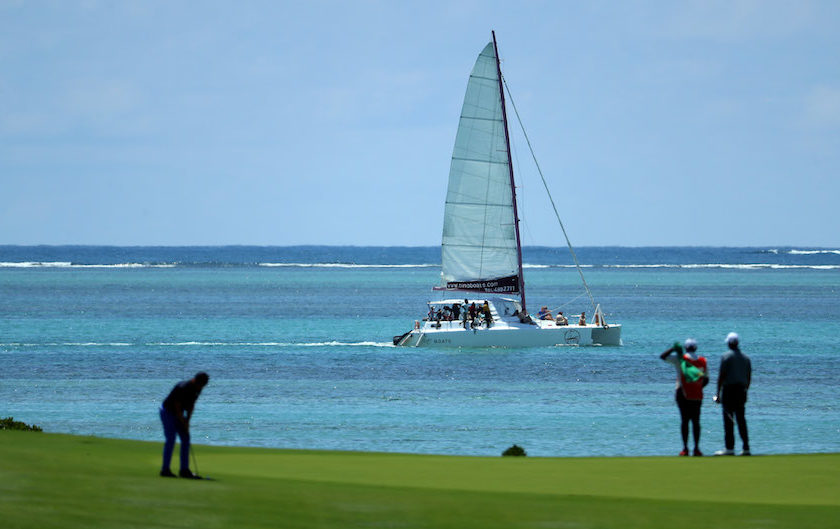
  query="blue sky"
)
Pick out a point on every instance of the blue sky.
point(280, 123)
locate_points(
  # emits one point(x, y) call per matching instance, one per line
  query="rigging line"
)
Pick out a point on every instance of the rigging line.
point(570, 301)
point(545, 184)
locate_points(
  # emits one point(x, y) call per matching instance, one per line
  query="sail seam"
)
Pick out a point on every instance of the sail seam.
point(477, 160)
point(480, 118)
point(451, 245)
point(481, 204)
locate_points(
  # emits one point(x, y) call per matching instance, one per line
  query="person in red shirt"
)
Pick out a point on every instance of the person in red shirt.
point(692, 376)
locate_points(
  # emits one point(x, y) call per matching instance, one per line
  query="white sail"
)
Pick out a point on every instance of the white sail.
point(479, 239)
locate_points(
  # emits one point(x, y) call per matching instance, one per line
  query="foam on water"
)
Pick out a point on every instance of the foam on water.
point(728, 266)
point(814, 252)
point(60, 264)
point(272, 344)
point(345, 265)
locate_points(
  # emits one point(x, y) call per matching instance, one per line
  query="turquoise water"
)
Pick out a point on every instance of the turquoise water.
point(301, 356)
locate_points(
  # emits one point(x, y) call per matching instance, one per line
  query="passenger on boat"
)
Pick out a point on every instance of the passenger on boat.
point(456, 311)
point(488, 317)
point(561, 320)
point(582, 320)
point(597, 320)
point(545, 314)
point(523, 317)
point(473, 310)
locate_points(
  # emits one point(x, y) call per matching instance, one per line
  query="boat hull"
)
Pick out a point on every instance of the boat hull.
point(512, 336)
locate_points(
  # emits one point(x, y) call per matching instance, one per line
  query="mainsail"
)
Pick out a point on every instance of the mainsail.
point(479, 247)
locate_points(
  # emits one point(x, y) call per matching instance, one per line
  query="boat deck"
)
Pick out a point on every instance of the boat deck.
point(506, 331)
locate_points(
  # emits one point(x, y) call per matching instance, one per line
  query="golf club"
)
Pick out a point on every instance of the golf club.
point(195, 465)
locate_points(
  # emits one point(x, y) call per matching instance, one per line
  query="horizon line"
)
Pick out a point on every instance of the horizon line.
point(315, 245)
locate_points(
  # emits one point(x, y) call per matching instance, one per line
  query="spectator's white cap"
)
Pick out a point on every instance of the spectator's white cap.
point(690, 344)
point(732, 338)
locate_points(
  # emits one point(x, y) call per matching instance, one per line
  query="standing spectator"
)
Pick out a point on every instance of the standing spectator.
point(734, 379)
point(692, 376)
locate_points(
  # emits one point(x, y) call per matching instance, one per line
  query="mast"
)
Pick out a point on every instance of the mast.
point(512, 182)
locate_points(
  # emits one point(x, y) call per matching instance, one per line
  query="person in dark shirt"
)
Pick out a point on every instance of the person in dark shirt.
point(175, 413)
point(488, 316)
point(734, 380)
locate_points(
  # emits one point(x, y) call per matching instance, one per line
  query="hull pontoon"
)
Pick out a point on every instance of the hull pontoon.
point(505, 330)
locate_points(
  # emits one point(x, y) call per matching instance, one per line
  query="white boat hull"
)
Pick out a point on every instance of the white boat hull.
point(453, 334)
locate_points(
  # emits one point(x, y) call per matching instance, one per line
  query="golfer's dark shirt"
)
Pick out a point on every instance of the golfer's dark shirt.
point(735, 369)
point(184, 394)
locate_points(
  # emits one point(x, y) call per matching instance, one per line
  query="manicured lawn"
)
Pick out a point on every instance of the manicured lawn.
point(49, 480)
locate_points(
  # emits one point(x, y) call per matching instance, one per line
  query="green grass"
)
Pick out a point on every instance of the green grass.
point(49, 480)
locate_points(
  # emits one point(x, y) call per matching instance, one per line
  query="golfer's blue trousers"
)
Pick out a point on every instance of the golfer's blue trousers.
point(171, 426)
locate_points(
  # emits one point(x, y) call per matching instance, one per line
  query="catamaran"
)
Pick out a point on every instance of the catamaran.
point(481, 251)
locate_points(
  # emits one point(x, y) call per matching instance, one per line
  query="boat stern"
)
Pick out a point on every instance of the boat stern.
point(609, 335)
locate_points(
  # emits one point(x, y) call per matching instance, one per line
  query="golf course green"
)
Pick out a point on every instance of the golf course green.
point(52, 480)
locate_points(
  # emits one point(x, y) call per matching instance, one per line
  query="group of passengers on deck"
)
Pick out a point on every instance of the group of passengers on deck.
point(472, 316)
point(469, 315)
point(560, 320)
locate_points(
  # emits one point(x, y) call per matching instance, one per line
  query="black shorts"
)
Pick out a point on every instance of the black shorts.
point(689, 409)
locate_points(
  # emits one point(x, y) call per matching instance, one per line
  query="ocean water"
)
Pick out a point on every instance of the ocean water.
point(297, 341)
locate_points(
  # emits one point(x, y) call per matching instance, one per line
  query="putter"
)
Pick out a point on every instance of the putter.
point(195, 465)
point(731, 417)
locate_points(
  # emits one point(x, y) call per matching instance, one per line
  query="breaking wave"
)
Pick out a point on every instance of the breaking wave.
point(813, 252)
point(742, 266)
point(745, 266)
point(345, 265)
point(200, 343)
point(272, 344)
point(63, 264)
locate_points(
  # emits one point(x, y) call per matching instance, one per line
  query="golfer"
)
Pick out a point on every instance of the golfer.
point(734, 379)
point(175, 413)
point(692, 375)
